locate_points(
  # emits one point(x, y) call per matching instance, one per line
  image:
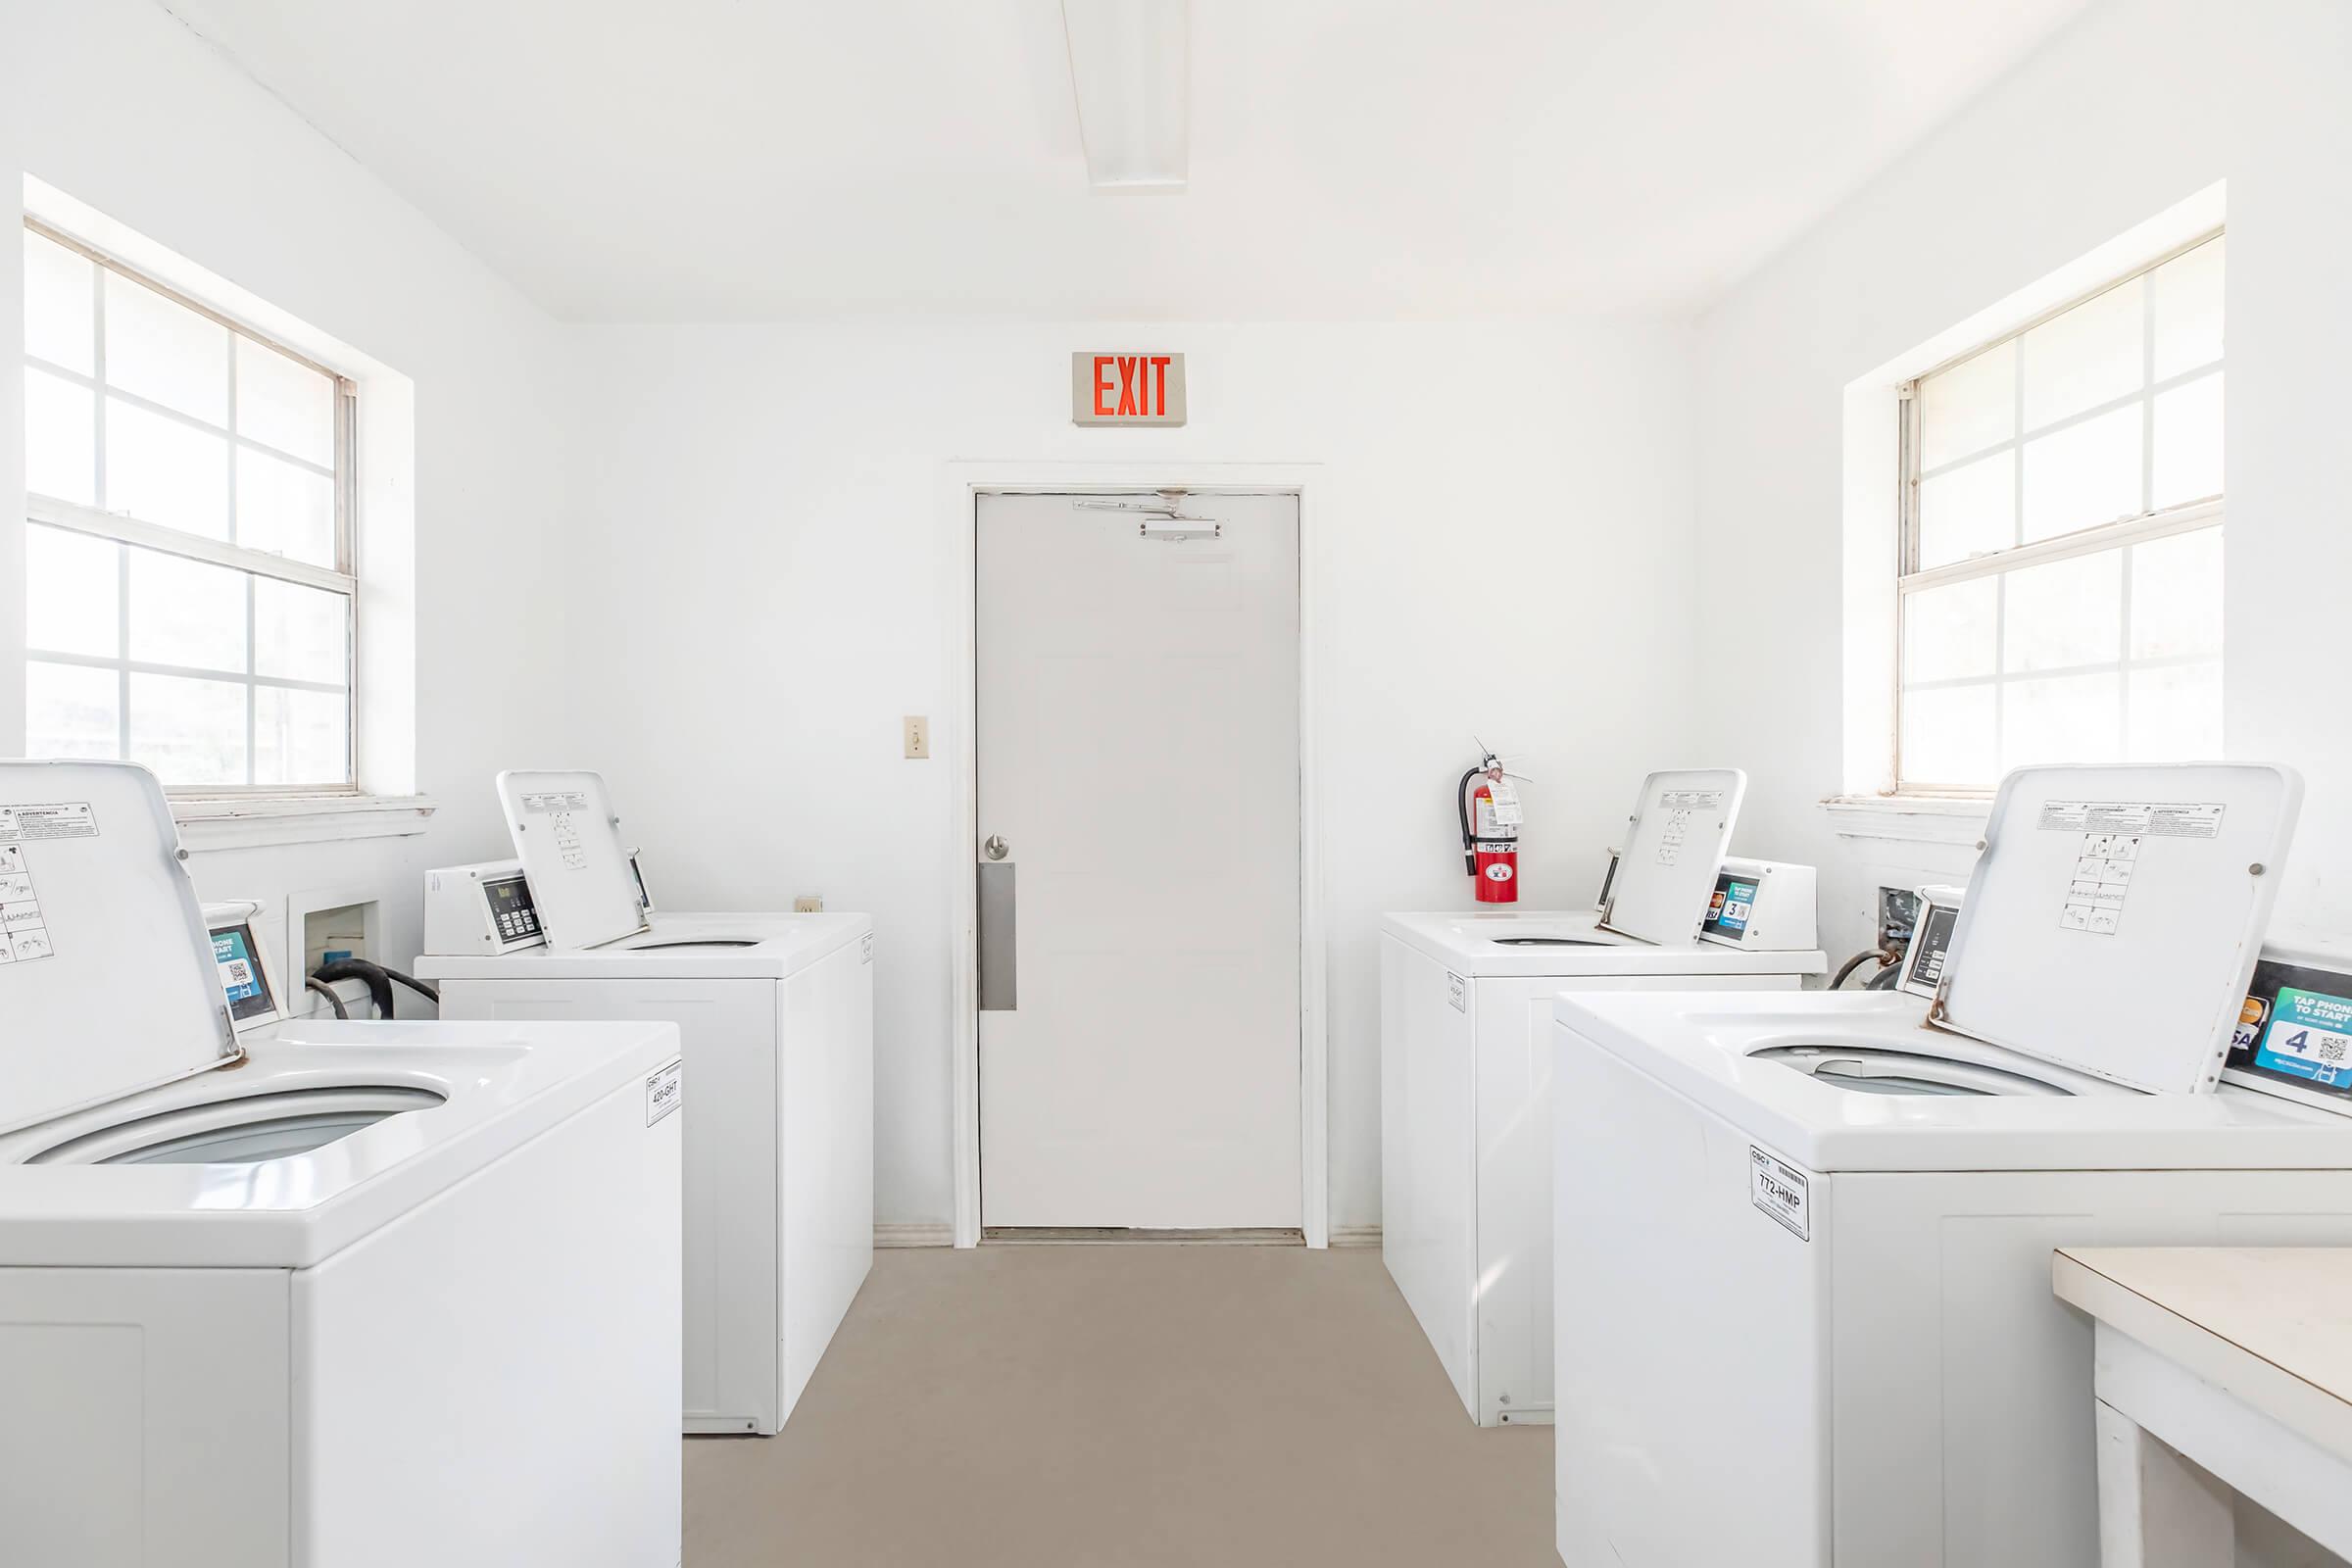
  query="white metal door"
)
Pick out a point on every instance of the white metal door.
point(1138, 703)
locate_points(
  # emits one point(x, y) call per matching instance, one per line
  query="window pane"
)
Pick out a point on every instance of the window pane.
point(285, 509)
point(73, 593)
point(1948, 736)
point(189, 731)
point(72, 711)
point(300, 737)
point(1968, 407)
point(165, 472)
point(1969, 510)
point(2188, 309)
point(300, 633)
point(2083, 476)
point(2064, 719)
point(165, 352)
point(285, 405)
point(2176, 597)
point(2089, 356)
point(2176, 713)
point(1948, 632)
point(60, 450)
point(2188, 442)
point(2065, 612)
point(186, 613)
point(59, 287)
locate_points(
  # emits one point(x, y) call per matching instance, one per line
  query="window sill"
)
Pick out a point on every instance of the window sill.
point(238, 822)
point(1909, 818)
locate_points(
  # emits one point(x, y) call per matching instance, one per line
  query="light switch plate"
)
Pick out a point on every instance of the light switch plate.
point(918, 736)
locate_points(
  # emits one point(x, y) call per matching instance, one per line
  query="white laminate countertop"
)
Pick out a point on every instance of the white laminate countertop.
point(2270, 1325)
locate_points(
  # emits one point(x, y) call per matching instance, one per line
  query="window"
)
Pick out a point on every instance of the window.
point(2060, 589)
point(189, 555)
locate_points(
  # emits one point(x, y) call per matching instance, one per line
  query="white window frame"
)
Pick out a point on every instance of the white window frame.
point(342, 578)
point(2146, 526)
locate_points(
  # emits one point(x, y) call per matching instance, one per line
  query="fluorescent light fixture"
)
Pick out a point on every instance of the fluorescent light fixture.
point(1131, 62)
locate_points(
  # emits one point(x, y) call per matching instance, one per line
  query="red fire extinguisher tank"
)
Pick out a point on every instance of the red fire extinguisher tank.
point(1491, 819)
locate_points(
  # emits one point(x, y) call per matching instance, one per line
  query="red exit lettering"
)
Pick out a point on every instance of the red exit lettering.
point(1131, 386)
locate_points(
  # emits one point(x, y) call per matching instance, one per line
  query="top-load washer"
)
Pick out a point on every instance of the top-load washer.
point(1803, 1243)
point(1467, 1066)
point(777, 1017)
point(315, 1292)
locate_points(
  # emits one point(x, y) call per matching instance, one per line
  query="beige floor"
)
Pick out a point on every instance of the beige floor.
point(1111, 1407)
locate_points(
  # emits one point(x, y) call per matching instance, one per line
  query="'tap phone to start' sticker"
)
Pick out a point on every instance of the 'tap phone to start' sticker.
point(2308, 1035)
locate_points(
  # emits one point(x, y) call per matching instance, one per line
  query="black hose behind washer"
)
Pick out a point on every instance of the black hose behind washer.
point(378, 981)
point(1888, 959)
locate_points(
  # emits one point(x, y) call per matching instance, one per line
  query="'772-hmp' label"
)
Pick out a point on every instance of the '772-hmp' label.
point(1778, 1190)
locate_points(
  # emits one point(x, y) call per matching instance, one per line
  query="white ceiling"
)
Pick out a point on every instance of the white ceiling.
point(737, 159)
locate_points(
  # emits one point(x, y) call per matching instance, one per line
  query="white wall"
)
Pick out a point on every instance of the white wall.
point(2133, 108)
point(118, 104)
point(1506, 553)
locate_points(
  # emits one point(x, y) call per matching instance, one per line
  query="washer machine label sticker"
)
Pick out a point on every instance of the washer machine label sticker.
point(665, 1090)
point(71, 819)
point(1778, 1191)
point(24, 928)
point(1457, 992)
point(866, 949)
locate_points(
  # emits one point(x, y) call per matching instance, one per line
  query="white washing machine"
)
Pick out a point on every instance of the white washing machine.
point(1466, 1069)
point(332, 1293)
point(777, 1012)
point(1803, 1243)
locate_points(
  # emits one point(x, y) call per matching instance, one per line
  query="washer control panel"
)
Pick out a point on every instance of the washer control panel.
point(485, 908)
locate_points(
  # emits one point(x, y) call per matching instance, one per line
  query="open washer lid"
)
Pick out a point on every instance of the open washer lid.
point(2114, 919)
point(1680, 826)
point(107, 979)
point(568, 838)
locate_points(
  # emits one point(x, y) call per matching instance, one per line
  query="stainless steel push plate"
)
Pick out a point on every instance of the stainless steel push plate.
point(999, 939)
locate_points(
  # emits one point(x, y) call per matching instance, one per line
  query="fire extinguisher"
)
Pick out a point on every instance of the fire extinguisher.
point(1491, 816)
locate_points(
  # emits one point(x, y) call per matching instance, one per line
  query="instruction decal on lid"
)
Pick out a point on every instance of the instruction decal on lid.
point(24, 928)
point(2152, 819)
point(558, 807)
point(2113, 835)
point(69, 820)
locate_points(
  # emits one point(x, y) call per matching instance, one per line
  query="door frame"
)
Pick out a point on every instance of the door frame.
point(962, 484)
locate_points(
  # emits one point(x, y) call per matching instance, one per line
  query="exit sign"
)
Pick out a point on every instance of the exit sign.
point(1126, 389)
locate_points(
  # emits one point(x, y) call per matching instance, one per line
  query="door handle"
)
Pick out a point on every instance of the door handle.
point(996, 847)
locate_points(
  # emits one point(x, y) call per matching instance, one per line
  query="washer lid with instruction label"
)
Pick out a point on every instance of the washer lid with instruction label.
point(1665, 879)
point(568, 840)
point(107, 979)
point(2112, 923)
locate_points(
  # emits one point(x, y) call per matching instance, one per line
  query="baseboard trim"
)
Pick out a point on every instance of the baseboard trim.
point(914, 1235)
point(1113, 1236)
point(1355, 1236)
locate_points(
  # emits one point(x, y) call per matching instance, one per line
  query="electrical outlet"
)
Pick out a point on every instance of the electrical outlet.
point(918, 736)
point(808, 903)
